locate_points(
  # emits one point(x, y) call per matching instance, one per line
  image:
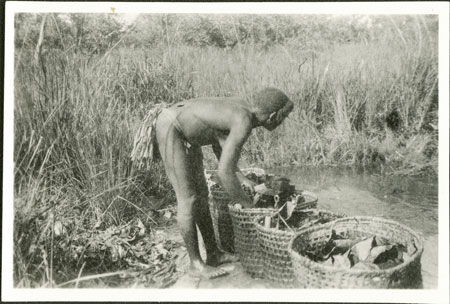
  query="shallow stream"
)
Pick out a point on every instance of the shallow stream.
point(412, 201)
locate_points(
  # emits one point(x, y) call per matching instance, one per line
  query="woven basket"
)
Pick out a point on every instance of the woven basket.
point(218, 207)
point(223, 228)
point(246, 240)
point(311, 274)
point(274, 244)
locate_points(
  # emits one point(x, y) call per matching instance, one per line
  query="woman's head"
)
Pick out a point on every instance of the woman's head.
point(271, 106)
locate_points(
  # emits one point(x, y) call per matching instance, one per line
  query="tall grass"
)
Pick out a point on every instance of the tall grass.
point(75, 117)
point(342, 98)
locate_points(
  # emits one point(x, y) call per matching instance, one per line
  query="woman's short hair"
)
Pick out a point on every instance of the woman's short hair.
point(271, 100)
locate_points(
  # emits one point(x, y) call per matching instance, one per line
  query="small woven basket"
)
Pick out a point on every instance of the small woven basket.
point(274, 244)
point(311, 274)
point(218, 207)
point(246, 240)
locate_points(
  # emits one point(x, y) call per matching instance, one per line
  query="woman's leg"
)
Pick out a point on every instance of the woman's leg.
point(179, 170)
point(202, 216)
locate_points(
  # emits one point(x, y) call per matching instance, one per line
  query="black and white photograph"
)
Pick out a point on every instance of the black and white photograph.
point(237, 151)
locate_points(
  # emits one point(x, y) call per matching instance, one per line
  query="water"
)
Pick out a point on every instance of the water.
point(412, 201)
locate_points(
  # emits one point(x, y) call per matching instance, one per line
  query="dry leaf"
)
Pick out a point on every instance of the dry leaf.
point(260, 188)
point(344, 244)
point(141, 227)
point(375, 252)
point(362, 249)
point(59, 229)
point(328, 261)
point(290, 207)
point(121, 251)
point(341, 261)
point(405, 256)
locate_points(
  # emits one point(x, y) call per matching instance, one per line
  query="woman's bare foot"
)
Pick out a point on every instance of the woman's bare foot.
point(201, 270)
point(221, 258)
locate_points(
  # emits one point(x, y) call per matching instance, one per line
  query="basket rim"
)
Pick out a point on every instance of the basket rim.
point(313, 197)
point(286, 232)
point(249, 169)
point(316, 265)
point(250, 210)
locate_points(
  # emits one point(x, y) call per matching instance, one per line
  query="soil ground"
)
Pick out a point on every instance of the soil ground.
point(342, 195)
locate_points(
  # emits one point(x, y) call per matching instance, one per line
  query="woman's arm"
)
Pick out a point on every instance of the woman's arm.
point(217, 149)
point(229, 155)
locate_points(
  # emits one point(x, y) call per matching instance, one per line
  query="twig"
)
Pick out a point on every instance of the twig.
point(79, 275)
point(91, 277)
point(300, 65)
point(286, 223)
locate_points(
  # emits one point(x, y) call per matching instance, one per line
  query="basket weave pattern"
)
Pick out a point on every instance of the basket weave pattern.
point(274, 244)
point(218, 207)
point(223, 227)
point(310, 274)
point(246, 240)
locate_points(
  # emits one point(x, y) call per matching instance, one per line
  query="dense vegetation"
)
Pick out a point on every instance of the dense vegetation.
point(365, 91)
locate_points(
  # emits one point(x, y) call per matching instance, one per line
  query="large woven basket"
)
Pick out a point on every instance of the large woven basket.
point(311, 274)
point(218, 207)
point(246, 239)
point(274, 244)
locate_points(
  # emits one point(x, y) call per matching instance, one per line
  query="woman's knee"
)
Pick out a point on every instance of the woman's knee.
point(187, 205)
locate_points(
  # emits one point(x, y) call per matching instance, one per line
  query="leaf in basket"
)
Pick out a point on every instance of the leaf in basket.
point(362, 249)
point(365, 266)
point(260, 188)
point(312, 256)
point(290, 206)
point(388, 264)
point(381, 241)
point(405, 256)
point(329, 246)
point(375, 252)
point(390, 254)
point(329, 261)
point(341, 261)
point(344, 244)
point(329, 254)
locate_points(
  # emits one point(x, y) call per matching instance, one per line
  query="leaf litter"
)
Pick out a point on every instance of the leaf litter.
point(147, 258)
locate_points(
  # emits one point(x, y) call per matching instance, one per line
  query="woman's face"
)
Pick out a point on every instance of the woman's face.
point(274, 120)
